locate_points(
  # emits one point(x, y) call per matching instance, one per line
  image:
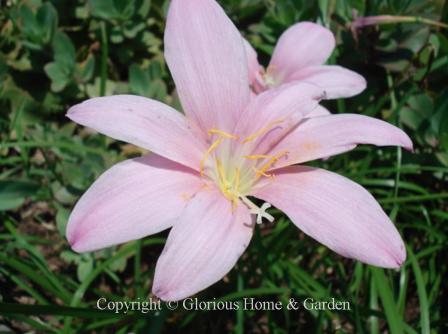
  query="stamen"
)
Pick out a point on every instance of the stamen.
point(222, 176)
point(257, 156)
point(260, 212)
point(271, 161)
point(236, 186)
point(212, 147)
point(269, 80)
point(222, 134)
point(262, 131)
point(237, 179)
point(261, 173)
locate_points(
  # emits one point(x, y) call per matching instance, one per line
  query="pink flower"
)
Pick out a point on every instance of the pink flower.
point(228, 147)
point(299, 55)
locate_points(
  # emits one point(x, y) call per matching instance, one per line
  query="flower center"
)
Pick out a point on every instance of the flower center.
point(229, 163)
point(269, 80)
point(266, 79)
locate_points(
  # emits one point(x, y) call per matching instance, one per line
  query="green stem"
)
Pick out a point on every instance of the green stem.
point(239, 313)
point(391, 19)
point(374, 329)
point(394, 110)
point(415, 198)
point(421, 292)
point(137, 271)
point(127, 250)
point(62, 145)
point(104, 57)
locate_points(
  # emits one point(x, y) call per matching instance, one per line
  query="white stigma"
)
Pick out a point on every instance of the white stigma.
point(260, 212)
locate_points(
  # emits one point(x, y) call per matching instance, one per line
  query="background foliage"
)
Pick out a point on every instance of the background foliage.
point(54, 54)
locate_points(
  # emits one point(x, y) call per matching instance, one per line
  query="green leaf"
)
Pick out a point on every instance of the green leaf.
point(3, 72)
point(30, 272)
point(422, 295)
point(93, 89)
point(85, 267)
point(132, 29)
point(64, 51)
point(9, 308)
point(138, 80)
point(144, 8)
point(119, 264)
point(157, 90)
point(417, 109)
point(62, 219)
point(13, 193)
point(58, 75)
point(47, 19)
point(30, 27)
point(85, 69)
point(443, 131)
point(104, 9)
point(125, 8)
point(394, 319)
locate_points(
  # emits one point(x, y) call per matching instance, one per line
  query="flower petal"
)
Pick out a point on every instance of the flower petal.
point(276, 111)
point(324, 136)
point(338, 213)
point(336, 80)
point(293, 100)
point(143, 122)
point(133, 199)
point(206, 57)
point(319, 111)
point(253, 66)
point(303, 44)
point(203, 246)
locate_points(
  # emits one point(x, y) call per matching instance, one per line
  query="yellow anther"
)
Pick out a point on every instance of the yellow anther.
point(267, 165)
point(210, 150)
point(222, 134)
point(257, 156)
point(262, 131)
point(261, 173)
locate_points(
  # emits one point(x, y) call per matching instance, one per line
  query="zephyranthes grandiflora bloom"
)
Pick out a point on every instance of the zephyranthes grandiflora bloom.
point(299, 55)
point(207, 166)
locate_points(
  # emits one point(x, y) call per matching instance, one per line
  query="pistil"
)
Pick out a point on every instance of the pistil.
point(260, 212)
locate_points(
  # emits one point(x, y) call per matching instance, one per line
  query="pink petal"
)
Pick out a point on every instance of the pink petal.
point(206, 57)
point(252, 62)
point(319, 111)
point(282, 107)
point(324, 136)
point(133, 199)
point(336, 80)
point(303, 44)
point(202, 247)
point(293, 100)
point(143, 122)
point(338, 213)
